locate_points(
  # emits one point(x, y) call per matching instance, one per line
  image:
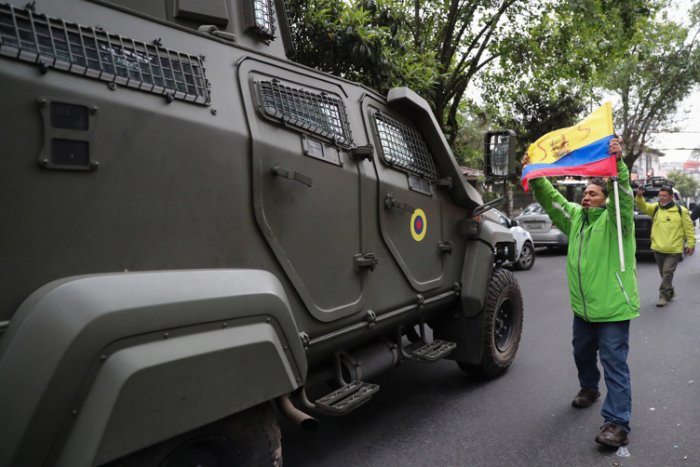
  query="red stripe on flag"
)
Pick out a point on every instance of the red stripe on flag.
point(603, 168)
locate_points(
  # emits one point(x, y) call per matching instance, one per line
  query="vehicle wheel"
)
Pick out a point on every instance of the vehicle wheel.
point(527, 257)
point(248, 438)
point(503, 326)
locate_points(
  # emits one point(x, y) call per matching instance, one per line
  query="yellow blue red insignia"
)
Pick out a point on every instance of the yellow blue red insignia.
point(419, 225)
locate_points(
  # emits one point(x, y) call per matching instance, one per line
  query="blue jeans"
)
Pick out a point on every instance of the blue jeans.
point(610, 341)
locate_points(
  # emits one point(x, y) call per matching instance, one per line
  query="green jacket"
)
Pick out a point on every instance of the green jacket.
point(598, 290)
point(670, 228)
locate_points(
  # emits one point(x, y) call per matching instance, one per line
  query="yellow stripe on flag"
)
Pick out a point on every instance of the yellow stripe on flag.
point(555, 145)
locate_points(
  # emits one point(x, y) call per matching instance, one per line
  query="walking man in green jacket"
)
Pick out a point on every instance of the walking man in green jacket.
point(672, 233)
point(603, 297)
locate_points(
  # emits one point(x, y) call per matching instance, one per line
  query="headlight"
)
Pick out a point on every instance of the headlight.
point(505, 252)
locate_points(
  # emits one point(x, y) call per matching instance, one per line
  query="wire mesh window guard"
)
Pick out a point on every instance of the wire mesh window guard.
point(264, 17)
point(96, 54)
point(315, 112)
point(403, 148)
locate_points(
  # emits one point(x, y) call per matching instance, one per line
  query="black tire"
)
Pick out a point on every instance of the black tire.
point(527, 257)
point(248, 438)
point(503, 326)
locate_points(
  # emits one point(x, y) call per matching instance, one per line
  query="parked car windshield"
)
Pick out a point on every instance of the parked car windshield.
point(533, 208)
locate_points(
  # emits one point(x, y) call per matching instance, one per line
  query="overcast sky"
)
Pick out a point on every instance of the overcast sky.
point(678, 146)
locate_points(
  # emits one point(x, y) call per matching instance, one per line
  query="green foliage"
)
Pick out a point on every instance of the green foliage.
point(626, 50)
point(541, 65)
point(435, 47)
point(533, 114)
point(363, 40)
point(659, 71)
point(468, 146)
point(466, 38)
point(684, 183)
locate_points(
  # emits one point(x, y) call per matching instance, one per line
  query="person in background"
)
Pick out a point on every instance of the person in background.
point(672, 234)
point(694, 210)
point(603, 298)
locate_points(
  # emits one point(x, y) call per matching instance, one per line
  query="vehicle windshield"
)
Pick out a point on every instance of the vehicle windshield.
point(533, 209)
point(502, 218)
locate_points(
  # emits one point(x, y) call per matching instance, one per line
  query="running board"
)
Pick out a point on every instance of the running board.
point(429, 353)
point(347, 398)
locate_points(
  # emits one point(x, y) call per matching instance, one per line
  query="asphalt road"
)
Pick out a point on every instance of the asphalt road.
point(434, 415)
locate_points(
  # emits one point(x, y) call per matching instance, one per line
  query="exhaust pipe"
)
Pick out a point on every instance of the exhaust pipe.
point(303, 420)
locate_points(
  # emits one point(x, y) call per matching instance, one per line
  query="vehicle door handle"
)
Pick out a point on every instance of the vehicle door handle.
point(391, 202)
point(292, 175)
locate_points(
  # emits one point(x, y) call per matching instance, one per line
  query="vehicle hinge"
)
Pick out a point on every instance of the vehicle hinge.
point(445, 246)
point(364, 261)
point(214, 31)
point(304, 339)
point(445, 182)
point(360, 153)
point(371, 318)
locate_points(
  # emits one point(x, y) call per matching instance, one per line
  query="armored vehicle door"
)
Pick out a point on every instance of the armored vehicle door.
point(410, 215)
point(305, 188)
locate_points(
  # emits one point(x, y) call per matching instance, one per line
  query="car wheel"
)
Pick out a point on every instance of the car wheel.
point(503, 326)
point(527, 257)
point(251, 437)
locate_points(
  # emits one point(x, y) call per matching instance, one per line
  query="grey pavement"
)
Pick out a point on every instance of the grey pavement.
point(434, 415)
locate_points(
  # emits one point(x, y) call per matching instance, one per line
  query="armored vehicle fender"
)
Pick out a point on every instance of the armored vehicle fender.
point(102, 348)
point(486, 291)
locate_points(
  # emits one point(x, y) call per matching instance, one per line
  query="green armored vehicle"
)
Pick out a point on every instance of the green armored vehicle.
point(199, 236)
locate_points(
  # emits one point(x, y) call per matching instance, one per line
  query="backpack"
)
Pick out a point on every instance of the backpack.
point(680, 212)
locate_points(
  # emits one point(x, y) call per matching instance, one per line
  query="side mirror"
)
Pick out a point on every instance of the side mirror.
point(513, 223)
point(499, 153)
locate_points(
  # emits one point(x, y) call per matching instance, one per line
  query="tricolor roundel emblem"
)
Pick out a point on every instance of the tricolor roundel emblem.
point(419, 225)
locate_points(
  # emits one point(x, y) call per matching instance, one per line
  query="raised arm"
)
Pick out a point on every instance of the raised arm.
point(557, 207)
point(642, 205)
point(626, 195)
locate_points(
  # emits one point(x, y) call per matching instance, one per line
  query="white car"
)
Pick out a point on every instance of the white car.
point(524, 246)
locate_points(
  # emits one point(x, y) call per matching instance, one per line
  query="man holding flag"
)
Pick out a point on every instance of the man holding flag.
point(602, 291)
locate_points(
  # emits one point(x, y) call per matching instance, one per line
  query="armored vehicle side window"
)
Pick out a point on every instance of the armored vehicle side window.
point(403, 147)
point(97, 54)
point(315, 112)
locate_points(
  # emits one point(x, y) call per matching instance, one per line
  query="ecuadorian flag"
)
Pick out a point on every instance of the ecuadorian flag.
point(578, 150)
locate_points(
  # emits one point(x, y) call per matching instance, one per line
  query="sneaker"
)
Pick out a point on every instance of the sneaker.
point(585, 398)
point(612, 435)
point(662, 302)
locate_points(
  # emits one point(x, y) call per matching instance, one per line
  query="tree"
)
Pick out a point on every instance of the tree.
point(684, 183)
point(367, 41)
point(436, 47)
point(466, 37)
point(660, 70)
point(536, 63)
point(624, 50)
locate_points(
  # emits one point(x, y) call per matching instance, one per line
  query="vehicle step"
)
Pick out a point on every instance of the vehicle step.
point(347, 398)
point(431, 352)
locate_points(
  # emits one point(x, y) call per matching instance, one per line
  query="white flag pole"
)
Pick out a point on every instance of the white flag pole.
point(619, 225)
